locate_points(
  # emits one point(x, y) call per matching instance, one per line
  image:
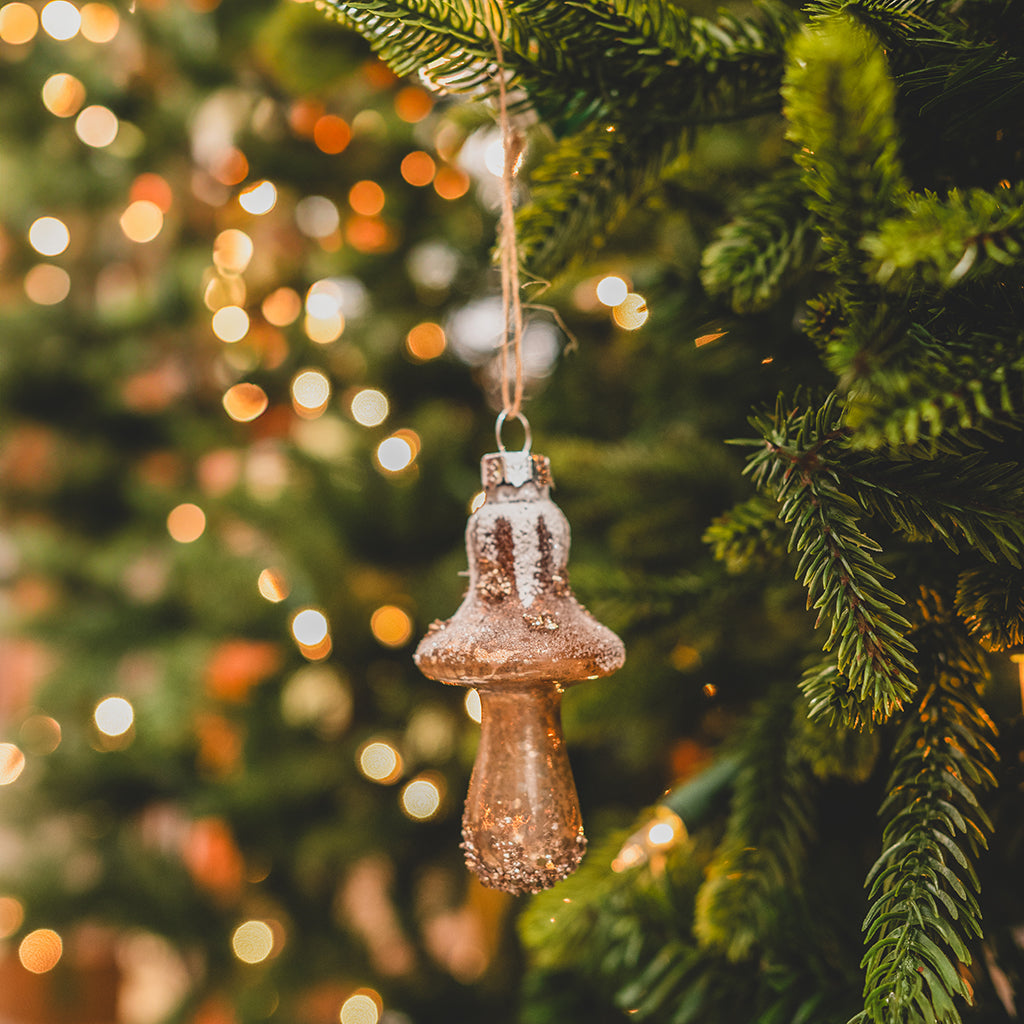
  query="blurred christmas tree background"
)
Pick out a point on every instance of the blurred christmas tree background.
point(249, 330)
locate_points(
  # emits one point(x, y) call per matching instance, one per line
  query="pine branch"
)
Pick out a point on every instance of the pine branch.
point(766, 838)
point(923, 887)
point(837, 563)
point(839, 100)
point(941, 242)
point(990, 600)
point(768, 245)
point(833, 742)
point(748, 535)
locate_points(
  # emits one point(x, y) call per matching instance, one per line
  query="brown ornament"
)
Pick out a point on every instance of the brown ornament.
point(520, 637)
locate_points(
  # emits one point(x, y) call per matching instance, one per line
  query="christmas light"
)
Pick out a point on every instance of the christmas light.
point(258, 199)
point(272, 585)
point(40, 951)
point(100, 23)
point(391, 626)
point(245, 402)
point(40, 734)
point(60, 20)
point(97, 126)
point(142, 221)
point(472, 705)
point(19, 23)
point(153, 187)
point(46, 285)
point(186, 522)
point(361, 1008)
point(12, 914)
point(282, 307)
point(310, 627)
point(631, 313)
point(418, 168)
point(331, 134)
point(232, 251)
point(252, 942)
point(413, 104)
point(394, 454)
point(317, 216)
point(49, 236)
point(451, 183)
point(323, 330)
point(113, 716)
point(611, 290)
point(421, 799)
point(12, 763)
point(63, 95)
point(231, 167)
point(366, 198)
point(380, 762)
point(230, 323)
point(426, 341)
point(369, 407)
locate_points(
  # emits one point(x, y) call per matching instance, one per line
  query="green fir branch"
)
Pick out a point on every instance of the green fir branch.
point(990, 600)
point(837, 566)
point(924, 912)
point(941, 242)
point(748, 535)
point(770, 826)
point(769, 244)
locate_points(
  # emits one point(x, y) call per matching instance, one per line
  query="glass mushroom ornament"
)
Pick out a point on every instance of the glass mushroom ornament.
point(520, 637)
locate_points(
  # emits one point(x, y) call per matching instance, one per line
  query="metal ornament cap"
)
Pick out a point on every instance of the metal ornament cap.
point(519, 623)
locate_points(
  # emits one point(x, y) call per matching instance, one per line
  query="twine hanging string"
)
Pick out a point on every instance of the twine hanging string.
point(512, 309)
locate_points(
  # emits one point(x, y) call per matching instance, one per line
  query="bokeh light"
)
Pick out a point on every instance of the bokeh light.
point(60, 19)
point(611, 290)
point(230, 323)
point(418, 168)
point(46, 285)
point(311, 391)
point(252, 942)
point(413, 104)
point(426, 341)
point(281, 307)
point(380, 762)
point(232, 251)
point(395, 454)
point(366, 198)
point(310, 627)
point(661, 833)
point(477, 501)
point(391, 626)
point(331, 133)
point(186, 522)
point(153, 187)
point(19, 23)
point(12, 914)
point(113, 716)
point(369, 407)
point(142, 221)
point(40, 734)
point(258, 199)
point(471, 701)
point(12, 763)
point(97, 126)
point(63, 95)
point(245, 402)
point(421, 798)
point(40, 950)
point(361, 1008)
point(317, 216)
point(49, 236)
point(272, 585)
point(231, 167)
point(451, 183)
point(100, 23)
point(631, 314)
point(324, 329)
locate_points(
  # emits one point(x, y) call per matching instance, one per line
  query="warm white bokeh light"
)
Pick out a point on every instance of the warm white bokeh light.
point(310, 627)
point(63, 94)
point(186, 522)
point(391, 626)
point(310, 390)
point(632, 313)
point(421, 799)
point(395, 454)
point(49, 236)
point(142, 221)
point(40, 950)
point(252, 942)
point(113, 716)
point(360, 1008)
point(232, 251)
point(230, 323)
point(661, 833)
point(97, 126)
point(380, 761)
point(370, 407)
point(100, 23)
point(245, 402)
point(611, 290)
point(272, 585)
point(472, 702)
point(60, 19)
point(19, 23)
point(259, 198)
point(46, 285)
point(12, 763)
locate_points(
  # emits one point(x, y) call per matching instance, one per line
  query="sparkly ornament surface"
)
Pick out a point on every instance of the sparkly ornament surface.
point(520, 637)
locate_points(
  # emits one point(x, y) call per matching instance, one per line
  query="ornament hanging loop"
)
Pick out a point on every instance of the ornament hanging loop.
point(499, 423)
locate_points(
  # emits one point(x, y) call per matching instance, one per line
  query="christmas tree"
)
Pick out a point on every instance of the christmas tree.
point(250, 362)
